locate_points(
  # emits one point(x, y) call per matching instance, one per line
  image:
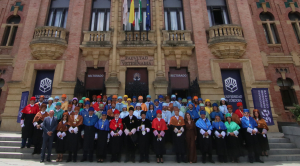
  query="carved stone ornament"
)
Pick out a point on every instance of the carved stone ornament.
point(47, 51)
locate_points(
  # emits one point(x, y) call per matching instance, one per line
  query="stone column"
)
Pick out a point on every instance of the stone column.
point(160, 84)
point(112, 83)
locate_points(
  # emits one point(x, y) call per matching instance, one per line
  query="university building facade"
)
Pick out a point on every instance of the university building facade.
point(205, 48)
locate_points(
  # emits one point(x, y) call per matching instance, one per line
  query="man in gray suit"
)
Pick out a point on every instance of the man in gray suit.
point(49, 126)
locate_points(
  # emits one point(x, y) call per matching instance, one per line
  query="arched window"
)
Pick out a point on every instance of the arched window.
point(295, 18)
point(288, 94)
point(10, 31)
point(217, 12)
point(268, 23)
point(100, 15)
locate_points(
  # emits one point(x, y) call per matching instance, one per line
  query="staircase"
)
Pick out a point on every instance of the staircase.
point(281, 149)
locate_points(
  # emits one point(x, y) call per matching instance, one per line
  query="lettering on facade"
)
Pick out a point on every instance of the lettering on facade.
point(178, 75)
point(95, 75)
point(136, 61)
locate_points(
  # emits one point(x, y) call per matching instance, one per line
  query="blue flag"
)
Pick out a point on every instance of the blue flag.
point(148, 18)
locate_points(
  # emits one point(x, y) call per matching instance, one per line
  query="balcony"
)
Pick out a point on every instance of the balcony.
point(177, 45)
point(227, 41)
point(48, 42)
point(96, 46)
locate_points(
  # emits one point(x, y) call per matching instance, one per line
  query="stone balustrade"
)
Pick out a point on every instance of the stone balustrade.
point(227, 41)
point(48, 42)
point(136, 38)
point(177, 37)
point(100, 38)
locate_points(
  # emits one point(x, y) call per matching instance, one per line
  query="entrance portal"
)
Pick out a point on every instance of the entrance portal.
point(137, 82)
point(94, 82)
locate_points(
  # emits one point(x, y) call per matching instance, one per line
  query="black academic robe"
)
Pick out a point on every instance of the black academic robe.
point(89, 137)
point(28, 129)
point(220, 143)
point(144, 139)
point(178, 141)
point(130, 124)
point(205, 144)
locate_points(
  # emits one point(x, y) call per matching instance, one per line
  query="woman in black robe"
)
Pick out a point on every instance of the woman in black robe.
point(143, 129)
point(61, 141)
point(219, 130)
point(102, 127)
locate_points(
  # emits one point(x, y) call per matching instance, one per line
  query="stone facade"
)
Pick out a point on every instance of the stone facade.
point(202, 49)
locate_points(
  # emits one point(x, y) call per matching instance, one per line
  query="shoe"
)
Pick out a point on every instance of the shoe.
point(68, 160)
point(211, 161)
point(82, 160)
point(48, 160)
point(22, 147)
point(42, 161)
point(161, 160)
point(157, 160)
point(260, 161)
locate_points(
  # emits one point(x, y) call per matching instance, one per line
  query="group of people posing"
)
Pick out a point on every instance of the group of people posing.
point(108, 124)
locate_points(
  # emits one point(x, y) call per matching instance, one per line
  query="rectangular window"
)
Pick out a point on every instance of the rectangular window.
point(100, 20)
point(274, 33)
point(137, 25)
point(58, 13)
point(9, 35)
point(267, 33)
point(173, 13)
point(288, 96)
point(217, 12)
point(296, 32)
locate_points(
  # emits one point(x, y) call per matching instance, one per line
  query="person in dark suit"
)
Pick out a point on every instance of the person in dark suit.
point(49, 126)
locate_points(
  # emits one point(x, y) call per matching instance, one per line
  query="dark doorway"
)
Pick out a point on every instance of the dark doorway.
point(137, 82)
point(94, 82)
point(90, 93)
point(178, 82)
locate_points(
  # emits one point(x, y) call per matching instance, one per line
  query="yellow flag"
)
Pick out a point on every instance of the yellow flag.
point(132, 13)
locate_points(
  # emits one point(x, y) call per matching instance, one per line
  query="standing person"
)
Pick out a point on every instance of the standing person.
point(174, 102)
point(119, 103)
point(208, 106)
point(49, 125)
point(143, 105)
point(96, 105)
point(70, 111)
point(202, 108)
point(159, 126)
point(50, 105)
point(232, 138)
point(64, 102)
point(56, 99)
point(124, 112)
point(99, 113)
point(151, 113)
point(38, 131)
point(195, 101)
point(129, 103)
point(116, 130)
point(110, 112)
point(262, 128)
point(85, 111)
point(130, 125)
point(114, 98)
point(61, 141)
point(166, 115)
point(74, 103)
point(204, 128)
point(80, 105)
point(249, 128)
point(223, 106)
point(58, 111)
point(234, 116)
point(189, 99)
point(125, 97)
point(138, 110)
point(74, 121)
point(192, 111)
point(184, 106)
point(94, 99)
point(148, 101)
point(216, 112)
point(89, 135)
point(102, 127)
point(177, 126)
point(219, 129)
point(107, 105)
point(104, 100)
point(179, 100)
point(156, 105)
point(41, 100)
point(133, 103)
point(239, 111)
point(161, 100)
point(143, 129)
point(28, 114)
point(190, 137)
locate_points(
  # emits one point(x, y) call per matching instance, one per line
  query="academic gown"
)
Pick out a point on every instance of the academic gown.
point(144, 136)
point(58, 114)
point(220, 143)
point(150, 115)
point(262, 138)
point(194, 114)
point(178, 138)
point(232, 144)
point(190, 134)
point(96, 106)
point(116, 126)
point(73, 138)
point(110, 114)
point(89, 132)
point(214, 114)
point(107, 107)
point(130, 125)
point(251, 139)
point(38, 133)
point(102, 127)
point(61, 143)
point(159, 127)
point(28, 114)
point(205, 143)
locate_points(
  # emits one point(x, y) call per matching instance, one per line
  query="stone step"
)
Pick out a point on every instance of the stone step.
point(167, 158)
point(279, 140)
point(284, 151)
point(282, 145)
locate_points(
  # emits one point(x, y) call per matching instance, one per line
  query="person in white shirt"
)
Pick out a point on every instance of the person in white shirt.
point(124, 112)
point(148, 101)
point(223, 106)
point(138, 111)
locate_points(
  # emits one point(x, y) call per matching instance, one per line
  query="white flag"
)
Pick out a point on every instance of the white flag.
point(125, 13)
